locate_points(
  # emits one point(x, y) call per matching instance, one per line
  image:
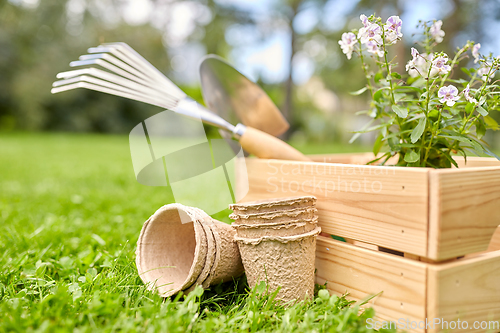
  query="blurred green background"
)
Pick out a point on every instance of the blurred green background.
point(289, 46)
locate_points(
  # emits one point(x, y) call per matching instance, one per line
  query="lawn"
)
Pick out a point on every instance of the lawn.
point(71, 211)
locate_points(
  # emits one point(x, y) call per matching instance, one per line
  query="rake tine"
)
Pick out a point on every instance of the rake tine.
point(133, 53)
point(113, 64)
point(138, 64)
point(109, 88)
point(117, 80)
point(125, 52)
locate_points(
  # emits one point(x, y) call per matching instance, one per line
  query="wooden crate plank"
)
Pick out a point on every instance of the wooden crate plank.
point(363, 158)
point(467, 289)
point(363, 272)
point(474, 162)
point(349, 158)
point(387, 207)
point(495, 241)
point(463, 212)
point(346, 158)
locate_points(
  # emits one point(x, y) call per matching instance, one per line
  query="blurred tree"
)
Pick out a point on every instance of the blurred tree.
point(38, 40)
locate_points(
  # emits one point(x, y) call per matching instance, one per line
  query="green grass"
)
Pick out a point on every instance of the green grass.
point(71, 212)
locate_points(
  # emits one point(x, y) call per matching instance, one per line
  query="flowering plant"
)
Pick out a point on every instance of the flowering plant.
point(425, 116)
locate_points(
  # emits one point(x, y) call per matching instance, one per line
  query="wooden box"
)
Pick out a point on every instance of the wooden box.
point(421, 236)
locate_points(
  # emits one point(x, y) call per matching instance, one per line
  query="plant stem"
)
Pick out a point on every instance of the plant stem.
point(388, 68)
point(443, 80)
point(365, 70)
point(431, 139)
point(426, 112)
point(479, 115)
point(453, 64)
point(480, 95)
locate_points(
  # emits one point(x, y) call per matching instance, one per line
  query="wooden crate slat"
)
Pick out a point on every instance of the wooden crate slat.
point(363, 272)
point(349, 158)
point(495, 241)
point(467, 288)
point(474, 162)
point(433, 214)
point(363, 158)
point(463, 211)
point(392, 214)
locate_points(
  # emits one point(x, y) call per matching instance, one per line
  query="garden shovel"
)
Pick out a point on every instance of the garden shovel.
point(237, 99)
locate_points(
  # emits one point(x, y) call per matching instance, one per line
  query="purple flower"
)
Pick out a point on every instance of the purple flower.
point(436, 31)
point(439, 65)
point(419, 65)
point(370, 32)
point(347, 43)
point(411, 64)
point(364, 20)
point(414, 53)
point(484, 70)
point(372, 47)
point(467, 95)
point(448, 95)
point(475, 52)
point(393, 29)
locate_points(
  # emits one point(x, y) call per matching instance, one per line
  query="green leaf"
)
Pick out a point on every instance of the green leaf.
point(354, 137)
point(357, 134)
point(379, 76)
point(393, 142)
point(475, 145)
point(490, 153)
point(434, 114)
point(459, 81)
point(407, 88)
point(418, 130)
point(411, 156)
point(469, 107)
point(419, 83)
point(482, 111)
point(359, 92)
point(401, 112)
point(491, 123)
point(454, 111)
point(366, 299)
point(396, 75)
point(398, 97)
point(396, 134)
point(373, 128)
point(373, 113)
point(378, 144)
point(480, 128)
point(388, 154)
point(448, 156)
point(378, 95)
point(407, 145)
point(465, 70)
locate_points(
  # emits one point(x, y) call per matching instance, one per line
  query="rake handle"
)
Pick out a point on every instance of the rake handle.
point(264, 145)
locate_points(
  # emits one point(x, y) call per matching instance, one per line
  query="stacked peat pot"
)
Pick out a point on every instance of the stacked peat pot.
point(277, 243)
point(181, 247)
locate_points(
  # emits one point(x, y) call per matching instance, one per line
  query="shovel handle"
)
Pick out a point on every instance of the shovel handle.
point(264, 145)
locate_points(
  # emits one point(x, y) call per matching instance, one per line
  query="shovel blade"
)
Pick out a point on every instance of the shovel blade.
point(237, 99)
